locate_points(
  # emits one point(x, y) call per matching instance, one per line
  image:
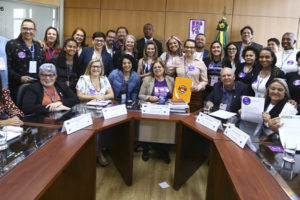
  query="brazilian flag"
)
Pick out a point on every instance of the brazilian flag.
point(222, 34)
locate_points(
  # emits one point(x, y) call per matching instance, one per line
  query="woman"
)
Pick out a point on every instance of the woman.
point(145, 63)
point(79, 35)
point(245, 71)
point(95, 52)
point(267, 71)
point(276, 103)
point(93, 85)
point(157, 88)
point(24, 56)
point(190, 66)
point(67, 64)
point(51, 43)
point(47, 95)
point(129, 48)
point(231, 58)
point(214, 65)
point(125, 82)
point(11, 115)
point(174, 51)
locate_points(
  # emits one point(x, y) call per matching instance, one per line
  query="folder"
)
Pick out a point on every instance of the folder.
point(182, 89)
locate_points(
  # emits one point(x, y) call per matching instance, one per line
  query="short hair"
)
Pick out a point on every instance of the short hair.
point(272, 55)
point(297, 55)
point(122, 27)
point(89, 66)
point(251, 48)
point(189, 40)
point(110, 31)
point(130, 58)
point(84, 35)
point(69, 40)
point(56, 44)
point(282, 82)
point(275, 40)
point(161, 63)
point(98, 34)
point(49, 67)
point(247, 27)
point(150, 42)
point(28, 20)
point(200, 34)
point(290, 33)
point(148, 24)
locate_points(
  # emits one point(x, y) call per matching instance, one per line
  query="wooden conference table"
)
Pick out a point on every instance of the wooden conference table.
point(65, 167)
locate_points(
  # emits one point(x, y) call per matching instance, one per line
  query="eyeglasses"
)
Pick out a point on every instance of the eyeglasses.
point(96, 66)
point(98, 41)
point(28, 29)
point(47, 75)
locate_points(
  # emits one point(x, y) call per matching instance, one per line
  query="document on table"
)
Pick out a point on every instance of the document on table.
point(252, 109)
point(222, 114)
point(289, 132)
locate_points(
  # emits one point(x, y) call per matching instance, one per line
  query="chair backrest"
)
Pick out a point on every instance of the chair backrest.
point(20, 94)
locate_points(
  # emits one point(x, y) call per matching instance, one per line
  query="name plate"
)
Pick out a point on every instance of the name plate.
point(208, 121)
point(155, 109)
point(114, 111)
point(236, 135)
point(77, 123)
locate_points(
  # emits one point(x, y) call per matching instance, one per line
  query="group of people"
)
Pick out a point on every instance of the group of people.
point(44, 76)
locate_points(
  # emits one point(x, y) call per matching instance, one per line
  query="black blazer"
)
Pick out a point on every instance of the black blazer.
point(217, 93)
point(248, 78)
point(141, 44)
point(34, 93)
point(239, 45)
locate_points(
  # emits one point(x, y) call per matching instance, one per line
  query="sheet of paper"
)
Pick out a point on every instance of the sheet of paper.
point(289, 133)
point(252, 109)
point(222, 114)
point(164, 185)
point(12, 135)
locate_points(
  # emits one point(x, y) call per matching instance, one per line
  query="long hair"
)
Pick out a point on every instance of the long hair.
point(179, 53)
point(145, 56)
point(210, 53)
point(56, 43)
point(237, 55)
point(84, 35)
point(89, 66)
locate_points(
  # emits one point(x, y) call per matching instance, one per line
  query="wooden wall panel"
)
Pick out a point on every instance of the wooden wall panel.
point(286, 8)
point(134, 21)
point(264, 27)
point(205, 6)
point(88, 19)
point(178, 24)
point(82, 3)
point(153, 5)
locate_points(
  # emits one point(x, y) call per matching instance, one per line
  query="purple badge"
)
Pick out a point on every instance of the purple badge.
point(255, 82)
point(210, 66)
point(290, 62)
point(191, 68)
point(246, 100)
point(92, 91)
point(276, 148)
point(241, 74)
point(21, 54)
point(296, 82)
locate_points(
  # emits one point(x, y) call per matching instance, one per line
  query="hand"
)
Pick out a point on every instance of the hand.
point(14, 121)
point(100, 97)
point(240, 111)
point(293, 102)
point(26, 79)
point(171, 71)
point(43, 44)
point(153, 99)
point(53, 106)
point(61, 107)
point(194, 89)
point(274, 124)
point(209, 104)
point(266, 117)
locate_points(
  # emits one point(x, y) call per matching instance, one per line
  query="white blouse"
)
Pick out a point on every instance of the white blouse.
point(86, 86)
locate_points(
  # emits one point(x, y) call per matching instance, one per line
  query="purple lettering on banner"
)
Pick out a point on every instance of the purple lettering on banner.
point(296, 82)
point(246, 100)
point(191, 68)
point(21, 54)
point(290, 62)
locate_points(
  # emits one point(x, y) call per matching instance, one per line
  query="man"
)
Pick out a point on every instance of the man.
point(200, 52)
point(286, 59)
point(226, 95)
point(110, 38)
point(274, 44)
point(247, 35)
point(3, 62)
point(122, 32)
point(148, 33)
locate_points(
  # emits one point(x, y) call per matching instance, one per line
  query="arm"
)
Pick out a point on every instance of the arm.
point(10, 108)
point(30, 103)
point(202, 78)
point(12, 74)
point(14, 121)
point(69, 99)
point(136, 89)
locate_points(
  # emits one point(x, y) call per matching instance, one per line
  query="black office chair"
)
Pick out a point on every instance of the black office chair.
point(20, 94)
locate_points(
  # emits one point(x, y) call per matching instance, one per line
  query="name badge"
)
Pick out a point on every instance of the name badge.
point(209, 122)
point(32, 67)
point(290, 62)
point(155, 109)
point(191, 68)
point(241, 74)
point(223, 106)
point(123, 99)
point(236, 135)
point(2, 64)
point(296, 82)
point(213, 80)
point(77, 123)
point(114, 111)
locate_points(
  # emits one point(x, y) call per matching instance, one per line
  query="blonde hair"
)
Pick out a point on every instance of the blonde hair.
point(89, 66)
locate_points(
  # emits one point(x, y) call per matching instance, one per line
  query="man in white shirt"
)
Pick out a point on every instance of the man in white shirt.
point(286, 59)
point(200, 52)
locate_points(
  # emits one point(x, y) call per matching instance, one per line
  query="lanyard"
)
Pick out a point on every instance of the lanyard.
point(186, 68)
point(284, 60)
point(50, 55)
point(31, 51)
point(55, 94)
point(69, 70)
point(147, 67)
point(226, 93)
point(259, 80)
point(215, 66)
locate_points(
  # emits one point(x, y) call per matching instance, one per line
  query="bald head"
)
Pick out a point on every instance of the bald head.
point(227, 78)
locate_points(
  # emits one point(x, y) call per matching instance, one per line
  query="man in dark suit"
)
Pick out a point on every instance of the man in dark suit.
point(148, 32)
point(200, 52)
point(226, 95)
point(247, 35)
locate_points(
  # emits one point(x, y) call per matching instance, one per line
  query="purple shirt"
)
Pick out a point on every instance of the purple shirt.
point(161, 90)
